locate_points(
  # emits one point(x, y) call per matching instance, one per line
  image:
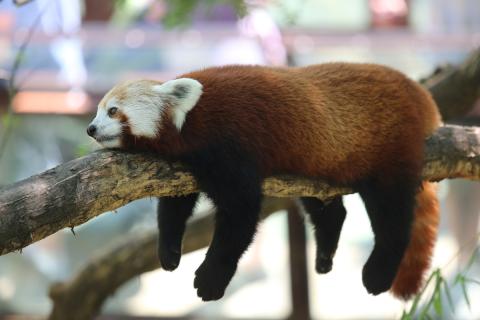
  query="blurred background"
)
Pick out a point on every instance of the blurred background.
point(72, 52)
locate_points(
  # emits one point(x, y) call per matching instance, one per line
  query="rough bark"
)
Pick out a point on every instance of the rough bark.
point(108, 271)
point(79, 190)
point(75, 192)
point(453, 152)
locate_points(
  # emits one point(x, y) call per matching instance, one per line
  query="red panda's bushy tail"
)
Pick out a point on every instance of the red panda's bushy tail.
point(416, 261)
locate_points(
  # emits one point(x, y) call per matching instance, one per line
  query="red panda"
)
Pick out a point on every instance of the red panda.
point(358, 125)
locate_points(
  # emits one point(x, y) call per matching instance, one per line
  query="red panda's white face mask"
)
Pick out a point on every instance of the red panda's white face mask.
point(139, 106)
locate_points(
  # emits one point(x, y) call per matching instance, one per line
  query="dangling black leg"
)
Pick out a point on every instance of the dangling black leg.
point(390, 209)
point(234, 230)
point(327, 220)
point(172, 214)
point(232, 182)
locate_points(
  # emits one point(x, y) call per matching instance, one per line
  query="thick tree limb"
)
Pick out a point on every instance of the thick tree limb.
point(105, 273)
point(453, 152)
point(79, 190)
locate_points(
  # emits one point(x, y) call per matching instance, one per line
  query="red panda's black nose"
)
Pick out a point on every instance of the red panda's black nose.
point(91, 130)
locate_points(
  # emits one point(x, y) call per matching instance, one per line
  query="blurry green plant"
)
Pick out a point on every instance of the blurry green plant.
point(180, 12)
point(429, 303)
point(82, 150)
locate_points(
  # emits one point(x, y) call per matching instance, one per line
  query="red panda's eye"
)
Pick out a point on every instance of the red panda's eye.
point(112, 111)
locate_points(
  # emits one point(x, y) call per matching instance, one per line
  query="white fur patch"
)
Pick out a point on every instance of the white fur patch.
point(184, 94)
point(107, 127)
point(143, 118)
point(115, 143)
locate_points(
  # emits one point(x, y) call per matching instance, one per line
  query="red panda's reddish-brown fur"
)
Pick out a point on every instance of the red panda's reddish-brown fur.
point(331, 121)
point(340, 122)
point(416, 260)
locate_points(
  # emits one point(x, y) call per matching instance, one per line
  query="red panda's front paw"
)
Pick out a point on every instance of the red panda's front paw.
point(211, 280)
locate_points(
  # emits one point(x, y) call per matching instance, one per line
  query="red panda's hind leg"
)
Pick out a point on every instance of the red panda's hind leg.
point(172, 216)
point(390, 209)
point(327, 219)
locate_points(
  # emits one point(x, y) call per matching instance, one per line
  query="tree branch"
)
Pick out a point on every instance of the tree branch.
point(81, 189)
point(108, 271)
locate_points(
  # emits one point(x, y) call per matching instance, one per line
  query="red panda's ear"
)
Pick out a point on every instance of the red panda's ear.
point(183, 95)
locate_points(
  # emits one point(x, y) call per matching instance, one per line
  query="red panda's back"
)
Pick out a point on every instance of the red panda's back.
point(267, 110)
point(337, 121)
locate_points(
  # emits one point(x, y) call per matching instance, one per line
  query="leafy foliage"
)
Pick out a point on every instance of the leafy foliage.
point(180, 12)
point(431, 306)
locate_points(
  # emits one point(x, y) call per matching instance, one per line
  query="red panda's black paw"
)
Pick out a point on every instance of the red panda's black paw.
point(378, 274)
point(323, 264)
point(169, 257)
point(211, 280)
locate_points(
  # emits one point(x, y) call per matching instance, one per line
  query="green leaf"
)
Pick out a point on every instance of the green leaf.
point(9, 120)
point(470, 280)
point(458, 279)
point(465, 292)
point(180, 12)
point(414, 307)
point(6, 119)
point(433, 299)
point(240, 7)
point(449, 296)
point(437, 303)
point(81, 150)
point(426, 308)
point(405, 316)
point(472, 259)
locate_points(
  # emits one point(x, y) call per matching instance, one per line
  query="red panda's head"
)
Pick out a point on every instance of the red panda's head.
point(138, 107)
